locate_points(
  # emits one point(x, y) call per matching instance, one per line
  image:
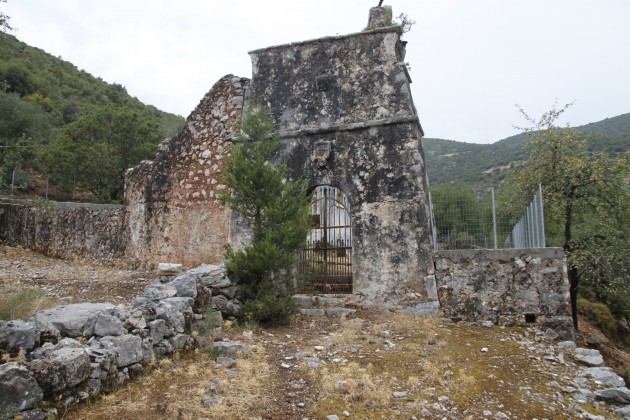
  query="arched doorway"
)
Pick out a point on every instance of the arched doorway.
point(325, 265)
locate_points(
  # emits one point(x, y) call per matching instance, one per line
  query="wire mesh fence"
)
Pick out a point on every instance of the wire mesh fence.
point(463, 220)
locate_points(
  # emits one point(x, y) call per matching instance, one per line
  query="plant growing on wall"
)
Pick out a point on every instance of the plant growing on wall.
point(278, 212)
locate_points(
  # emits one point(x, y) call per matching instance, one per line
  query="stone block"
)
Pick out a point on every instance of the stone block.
point(160, 291)
point(423, 309)
point(185, 285)
point(588, 357)
point(431, 287)
point(230, 348)
point(71, 320)
point(108, 325)
point(61, 369)
point(605, 376)
point(213, 276)
point(169, 269)
point(128, 347)
point(18, 388)
point(616, 395)
point(16, 335)
point(312, 311)
point(159, 330)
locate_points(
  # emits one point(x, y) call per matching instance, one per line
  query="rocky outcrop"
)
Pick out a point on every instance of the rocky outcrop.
point(73, 352)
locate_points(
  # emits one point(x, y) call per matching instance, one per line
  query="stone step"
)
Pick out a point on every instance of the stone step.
point(325, 301)
point(327, 311)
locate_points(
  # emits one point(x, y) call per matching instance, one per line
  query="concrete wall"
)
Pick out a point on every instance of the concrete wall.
point(171, 204)
point(65, 230)
point(345, 113)
point(507, 287)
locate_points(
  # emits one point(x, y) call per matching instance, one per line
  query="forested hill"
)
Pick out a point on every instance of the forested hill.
point(484, 165)
point(65, 90)
point(64, 128)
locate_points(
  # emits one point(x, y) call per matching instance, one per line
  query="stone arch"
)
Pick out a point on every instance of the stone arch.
point(325, 264)
point(346, 122)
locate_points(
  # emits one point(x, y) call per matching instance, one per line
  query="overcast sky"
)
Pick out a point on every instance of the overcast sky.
point(471, 61)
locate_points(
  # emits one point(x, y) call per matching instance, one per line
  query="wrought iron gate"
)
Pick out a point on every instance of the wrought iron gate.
point(325, 265)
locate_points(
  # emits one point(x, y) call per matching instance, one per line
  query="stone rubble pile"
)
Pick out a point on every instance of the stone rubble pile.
point(594, 383)
point(70, 353)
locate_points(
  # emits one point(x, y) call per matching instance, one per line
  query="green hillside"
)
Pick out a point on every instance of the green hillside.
point(65, 90)
point(485, 165)
point(68, 129)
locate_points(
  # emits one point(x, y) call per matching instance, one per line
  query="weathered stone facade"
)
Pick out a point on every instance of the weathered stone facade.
point(65, 230)
point(171, 204)
point(506, 287)
point(344, 110)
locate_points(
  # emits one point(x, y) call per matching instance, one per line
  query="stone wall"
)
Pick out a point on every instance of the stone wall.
point(171, 204)
point(506, 287)
point(344, 111)
point(65, 230)
point(74, 352)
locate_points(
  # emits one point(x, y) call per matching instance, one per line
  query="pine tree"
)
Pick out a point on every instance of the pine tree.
point(277, 209)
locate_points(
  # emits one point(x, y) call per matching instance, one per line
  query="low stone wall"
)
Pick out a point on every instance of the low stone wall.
point(506, 287)
point(65, 230)
point(73, 352)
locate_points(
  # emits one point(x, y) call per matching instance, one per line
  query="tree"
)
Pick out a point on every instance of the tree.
point(24, 128)
point(586, 199)
point(277, 209)
point(95, 151)
point(4, 20)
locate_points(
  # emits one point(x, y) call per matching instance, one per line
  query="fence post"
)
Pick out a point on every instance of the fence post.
point(542, 216)
point(432, 223)
point(494, 219)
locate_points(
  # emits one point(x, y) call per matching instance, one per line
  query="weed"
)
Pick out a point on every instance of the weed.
point(24, 303)
point(214, 352)
point(599, 315)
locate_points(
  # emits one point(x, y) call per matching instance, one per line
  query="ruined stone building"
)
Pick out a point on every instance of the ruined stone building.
point(346, 117)
point(347, 122)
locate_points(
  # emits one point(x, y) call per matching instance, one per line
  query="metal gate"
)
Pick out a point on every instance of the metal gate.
point(325, 265)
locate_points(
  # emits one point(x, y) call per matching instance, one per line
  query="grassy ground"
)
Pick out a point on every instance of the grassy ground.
point(451, 371)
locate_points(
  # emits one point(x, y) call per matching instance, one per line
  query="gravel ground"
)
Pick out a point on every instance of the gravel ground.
point(69, 281)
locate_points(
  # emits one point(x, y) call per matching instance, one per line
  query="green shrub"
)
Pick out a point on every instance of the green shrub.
point(599, 315)
point(270, 310)
point(277, 209)
point(24, 303)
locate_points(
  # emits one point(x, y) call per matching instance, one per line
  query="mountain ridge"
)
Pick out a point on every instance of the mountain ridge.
point(485, 165)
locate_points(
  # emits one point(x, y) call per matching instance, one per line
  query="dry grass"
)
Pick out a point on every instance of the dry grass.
point(24, 302)
point(180, 387)
point(354, 384)
point(366, 360)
